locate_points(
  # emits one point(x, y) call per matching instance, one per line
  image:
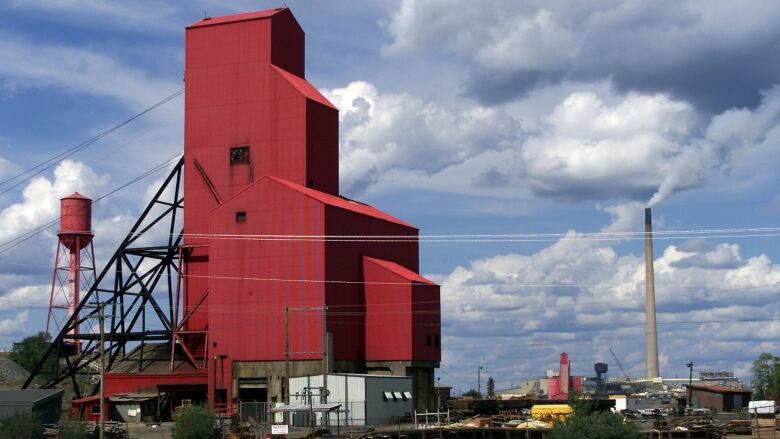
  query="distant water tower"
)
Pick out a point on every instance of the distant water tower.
point(74, 265)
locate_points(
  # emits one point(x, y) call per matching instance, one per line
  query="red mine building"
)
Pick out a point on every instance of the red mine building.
point(279, 275)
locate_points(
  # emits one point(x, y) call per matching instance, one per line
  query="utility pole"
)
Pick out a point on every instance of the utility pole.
point(438, 405)
point(101, 319)
point(287, 354)
point(325, 355)
point(690, 383)
point(479, 381)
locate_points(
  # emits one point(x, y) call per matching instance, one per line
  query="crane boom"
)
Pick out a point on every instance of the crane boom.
point(619, 365)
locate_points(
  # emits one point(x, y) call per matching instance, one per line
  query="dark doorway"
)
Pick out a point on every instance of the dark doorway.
point(253, 389)
point(256, 394)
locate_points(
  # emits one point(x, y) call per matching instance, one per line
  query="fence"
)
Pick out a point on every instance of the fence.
point(258, 413)
point(347, 414)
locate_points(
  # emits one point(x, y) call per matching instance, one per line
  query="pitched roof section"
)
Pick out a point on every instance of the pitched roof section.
point(246, 16)
point(28, 396)
point(75, 195)
point(304, 87)
point(399, 270)
point(718, 389)
point(340, 202)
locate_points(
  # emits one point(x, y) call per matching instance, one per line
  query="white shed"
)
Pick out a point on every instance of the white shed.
point(363, 399)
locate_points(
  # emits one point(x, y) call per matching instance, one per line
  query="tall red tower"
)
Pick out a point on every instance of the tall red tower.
point(270, 277)
point(74, 264)
point(261, 159)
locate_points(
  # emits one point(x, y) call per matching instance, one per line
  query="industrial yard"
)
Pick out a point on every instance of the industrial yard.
point(249, 297)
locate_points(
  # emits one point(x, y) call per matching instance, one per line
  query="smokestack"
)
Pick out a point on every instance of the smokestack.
point(651, 333)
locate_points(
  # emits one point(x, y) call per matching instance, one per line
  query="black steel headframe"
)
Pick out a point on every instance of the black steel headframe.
point(139, 279)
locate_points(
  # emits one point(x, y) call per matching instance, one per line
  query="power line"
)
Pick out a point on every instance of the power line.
point(8, 245)
point(507, 284)
point(459, 324)
point(421, 239)
point(505, 236)
point(443, 238)
point(48, 163)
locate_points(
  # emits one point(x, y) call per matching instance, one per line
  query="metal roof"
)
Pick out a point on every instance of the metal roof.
point(75, 196)
point(157, 361)
point(304, 87)
point(362, 375)
point(399, 270)
point(718, 389)
point(305, 407)
point(132, 397)
point(246, 16)
point(28, 396)
point(341, 202)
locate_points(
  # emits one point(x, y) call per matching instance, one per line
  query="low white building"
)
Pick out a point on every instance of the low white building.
point(361, 399)
point(528, 387)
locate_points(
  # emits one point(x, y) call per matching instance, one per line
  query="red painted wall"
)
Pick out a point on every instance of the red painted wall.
point(251, 280)
point(388, 313)
point(426, 322)
point(559, 387)
point(134, 383)
point(345, 262)
point(245, 86)
point(402, 313)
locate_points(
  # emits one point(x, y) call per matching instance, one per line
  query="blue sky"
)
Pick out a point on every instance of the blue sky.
point(463, 118)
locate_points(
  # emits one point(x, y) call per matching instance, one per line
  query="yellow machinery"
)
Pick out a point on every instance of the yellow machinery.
point(551, 412)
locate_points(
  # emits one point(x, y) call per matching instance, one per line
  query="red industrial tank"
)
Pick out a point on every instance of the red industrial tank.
point(74, 265)
point(75, 221)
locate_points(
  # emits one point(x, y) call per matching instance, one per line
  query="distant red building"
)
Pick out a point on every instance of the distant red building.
point(267, 231)
point(561, 386)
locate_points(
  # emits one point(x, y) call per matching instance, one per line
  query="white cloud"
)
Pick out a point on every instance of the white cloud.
point(588, 148)
point(626, 217)
point(82, 72)
point(385, 132)
point(79, 70)
point(41, 197)
point(14, 327)
point(594, 144)
point(153, 15)
point(25, 297)
point(119, 14)
point(696, 50)
point(533, 42)
point(579, 295)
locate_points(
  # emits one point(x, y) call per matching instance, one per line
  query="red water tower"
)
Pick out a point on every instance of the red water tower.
point(74, 265)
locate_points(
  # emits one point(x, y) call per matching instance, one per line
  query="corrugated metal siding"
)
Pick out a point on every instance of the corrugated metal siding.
point(238, 95)
point(379, 411)
point(356, 405)
point(345, 261)
point(360, 396)
point(247, 292)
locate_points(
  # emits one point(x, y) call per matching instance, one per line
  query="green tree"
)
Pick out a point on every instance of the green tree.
point(22, 425)
point(586, 424)
point(196, 422)
point(29, 351)
point(766, 376)
point(472, 393)
point(491, 387)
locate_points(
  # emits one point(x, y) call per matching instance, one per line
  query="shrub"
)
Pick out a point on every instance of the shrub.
point(584, 424)
point(74, 430)
point(22, 425)
point(196, 422)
